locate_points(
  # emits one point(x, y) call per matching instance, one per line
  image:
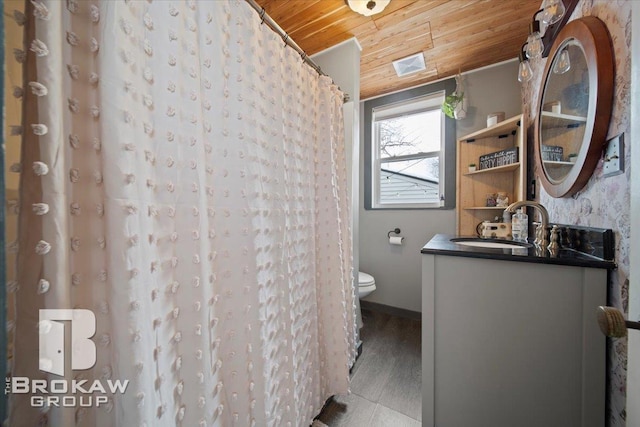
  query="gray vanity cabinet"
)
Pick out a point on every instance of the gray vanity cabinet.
point(510, 343)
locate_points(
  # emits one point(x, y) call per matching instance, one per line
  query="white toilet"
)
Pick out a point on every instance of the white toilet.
point(366, 284)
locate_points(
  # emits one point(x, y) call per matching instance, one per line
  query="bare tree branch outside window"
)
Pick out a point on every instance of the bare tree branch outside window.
point(401, 136)
point(393, 135)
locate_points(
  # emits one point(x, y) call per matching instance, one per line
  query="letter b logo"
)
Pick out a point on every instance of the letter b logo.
point(52, 342)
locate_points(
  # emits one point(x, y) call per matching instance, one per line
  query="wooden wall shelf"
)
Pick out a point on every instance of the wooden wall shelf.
point(555, 120)
point(473, 187)
point(505, 168)
point(502, 129)
point(554, 164)
point(485, 208)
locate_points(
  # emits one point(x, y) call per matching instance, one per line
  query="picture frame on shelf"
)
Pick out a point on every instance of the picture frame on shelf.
point(499, 158)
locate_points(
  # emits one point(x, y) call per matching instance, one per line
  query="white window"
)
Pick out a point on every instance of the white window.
point(407, 153)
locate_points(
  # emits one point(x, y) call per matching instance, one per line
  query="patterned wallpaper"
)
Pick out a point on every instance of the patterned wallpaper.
point(603, 202)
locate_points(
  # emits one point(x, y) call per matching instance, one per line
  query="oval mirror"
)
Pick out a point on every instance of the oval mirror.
point(574, 106)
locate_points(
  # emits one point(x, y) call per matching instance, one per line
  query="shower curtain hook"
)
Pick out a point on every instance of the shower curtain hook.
point(262, 13)
point(285, 38)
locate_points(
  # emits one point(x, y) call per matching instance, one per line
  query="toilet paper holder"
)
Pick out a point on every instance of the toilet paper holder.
point(395, 230)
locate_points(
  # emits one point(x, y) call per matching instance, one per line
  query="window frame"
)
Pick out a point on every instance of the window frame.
point(447, 152)
point(433, 101)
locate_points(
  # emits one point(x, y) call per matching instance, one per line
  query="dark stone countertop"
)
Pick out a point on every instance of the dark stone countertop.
point(441, 244)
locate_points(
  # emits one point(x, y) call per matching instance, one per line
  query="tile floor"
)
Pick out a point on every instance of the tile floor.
point(386, 381)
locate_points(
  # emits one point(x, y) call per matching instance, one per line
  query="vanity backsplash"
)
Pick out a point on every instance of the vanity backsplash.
point(597, 242)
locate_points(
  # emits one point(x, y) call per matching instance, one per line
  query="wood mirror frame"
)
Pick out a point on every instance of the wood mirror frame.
point(592, 35)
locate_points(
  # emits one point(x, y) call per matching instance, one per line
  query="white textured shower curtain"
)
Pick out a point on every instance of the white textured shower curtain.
point(183, 176)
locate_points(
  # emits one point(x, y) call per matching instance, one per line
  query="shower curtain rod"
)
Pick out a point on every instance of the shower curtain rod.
point(266, 19)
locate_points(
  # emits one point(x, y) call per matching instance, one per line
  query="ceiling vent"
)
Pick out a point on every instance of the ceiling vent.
point(410, 64)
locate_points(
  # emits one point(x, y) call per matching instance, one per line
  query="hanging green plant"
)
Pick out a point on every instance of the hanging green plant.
point(450, 103)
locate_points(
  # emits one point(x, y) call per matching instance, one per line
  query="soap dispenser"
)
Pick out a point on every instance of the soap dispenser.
point(520, 226)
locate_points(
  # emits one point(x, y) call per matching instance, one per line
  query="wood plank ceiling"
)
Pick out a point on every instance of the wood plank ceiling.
point(454, 35)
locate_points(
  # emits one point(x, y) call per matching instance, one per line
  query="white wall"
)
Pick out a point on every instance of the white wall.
point(397, 269)
point(490, 90)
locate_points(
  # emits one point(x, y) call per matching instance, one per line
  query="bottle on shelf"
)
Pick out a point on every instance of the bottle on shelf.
point(506, 216)
point(520, 226)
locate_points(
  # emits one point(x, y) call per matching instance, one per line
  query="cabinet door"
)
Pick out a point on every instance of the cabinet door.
point(516, 344)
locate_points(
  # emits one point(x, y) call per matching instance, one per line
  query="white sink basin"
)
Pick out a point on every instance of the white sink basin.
point(484, 243)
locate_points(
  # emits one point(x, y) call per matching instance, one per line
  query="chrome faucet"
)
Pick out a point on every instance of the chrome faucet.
point(541, 231)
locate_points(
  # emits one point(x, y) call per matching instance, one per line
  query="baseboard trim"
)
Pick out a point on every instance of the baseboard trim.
point(395, 311)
